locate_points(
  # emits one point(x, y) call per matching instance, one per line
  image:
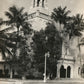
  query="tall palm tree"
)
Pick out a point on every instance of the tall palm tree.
point(75, 27)
point(17, 18)
point(61, 15)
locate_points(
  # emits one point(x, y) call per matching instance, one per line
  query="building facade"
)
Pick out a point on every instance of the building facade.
point(69, 65)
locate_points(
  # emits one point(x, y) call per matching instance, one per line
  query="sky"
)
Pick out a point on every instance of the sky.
point(76, 6)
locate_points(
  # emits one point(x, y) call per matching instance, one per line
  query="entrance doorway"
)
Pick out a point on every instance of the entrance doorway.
point(62, 72)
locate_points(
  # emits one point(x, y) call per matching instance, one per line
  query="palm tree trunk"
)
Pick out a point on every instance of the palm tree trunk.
point(23, 77)
point(60, 28)
point(11, 72)
point(17, 31)
point(61, 34)
point(17, 41)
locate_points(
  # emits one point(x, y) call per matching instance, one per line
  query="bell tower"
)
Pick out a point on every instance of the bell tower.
point(39, 3)
point(38, 14)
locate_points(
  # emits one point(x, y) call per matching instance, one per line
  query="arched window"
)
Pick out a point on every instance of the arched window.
point(82, 71)
point(42, 3)
point(38, 2)
point(79, 70)
point(68, 71)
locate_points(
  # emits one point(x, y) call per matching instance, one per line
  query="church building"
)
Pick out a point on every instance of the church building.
point(69, 65)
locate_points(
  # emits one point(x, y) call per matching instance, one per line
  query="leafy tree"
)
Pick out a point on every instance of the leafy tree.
point(51, 45)
point(24, 59)
point(54, 44)
point(39, 49)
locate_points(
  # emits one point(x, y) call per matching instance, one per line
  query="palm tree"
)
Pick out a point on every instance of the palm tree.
point(75, 26)
point(61, 15)
point(16, 17)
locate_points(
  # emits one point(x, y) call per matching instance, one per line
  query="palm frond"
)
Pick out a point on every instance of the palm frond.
point(64, 8)
point(7, 29)
point(9, 15)
point(67, 12)
point(21, 10)
point(13, 10)
point(9, 52)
